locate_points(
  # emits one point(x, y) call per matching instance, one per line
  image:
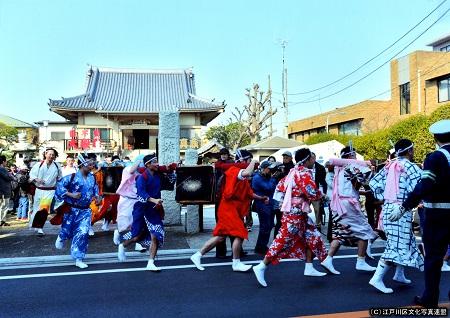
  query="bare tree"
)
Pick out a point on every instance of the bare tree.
point(255, 115)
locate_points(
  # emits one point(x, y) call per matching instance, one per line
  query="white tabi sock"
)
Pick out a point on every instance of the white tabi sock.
point(240, 267)
point(328, 264)
point(151, 266)
point(59, 244)
point(311, 271)
point(105, 226)
point(361, 265)
point(80, 264)
point(197, 260)
point(400, 275)
point(445, 267)
point(121, 253)
point(261, 266)
point(259, 273)
point(116, 237)
point(377, 279)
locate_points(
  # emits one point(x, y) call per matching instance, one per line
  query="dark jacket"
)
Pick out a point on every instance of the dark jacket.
point(434, 186)
point(5, 182)
point(287, 168)
point(320, 176)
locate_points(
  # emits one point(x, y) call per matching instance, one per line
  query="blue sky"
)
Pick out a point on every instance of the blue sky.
point(47, 45)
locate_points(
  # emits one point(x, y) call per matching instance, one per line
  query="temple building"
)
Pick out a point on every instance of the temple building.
point(118, 112)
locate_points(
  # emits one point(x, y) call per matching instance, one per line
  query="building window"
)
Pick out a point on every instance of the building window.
point(321, 130)
point(104, 133)
point(445, 49)
point(57, 135)
point(350, 128)
point(444, 90)
point(185, 133)
point(405, 99)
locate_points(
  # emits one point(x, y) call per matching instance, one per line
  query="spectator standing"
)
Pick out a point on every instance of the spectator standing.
point(22, 210)
point(70, 167)
point(264, 185)
point(5, 190)
point(287, 162)
point(319, 176)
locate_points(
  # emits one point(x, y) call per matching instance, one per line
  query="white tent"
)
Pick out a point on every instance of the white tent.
point(324, 151)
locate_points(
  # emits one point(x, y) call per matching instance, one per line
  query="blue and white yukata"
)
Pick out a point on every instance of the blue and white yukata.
point(401, 247)
point(145, 216)
point(76, 223)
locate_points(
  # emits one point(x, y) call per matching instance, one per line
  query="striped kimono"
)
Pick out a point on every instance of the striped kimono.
point(393, 184)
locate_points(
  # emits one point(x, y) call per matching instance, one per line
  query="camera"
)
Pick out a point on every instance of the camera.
point(276, 170)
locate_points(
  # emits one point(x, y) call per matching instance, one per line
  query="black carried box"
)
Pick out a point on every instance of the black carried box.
point(195, 185)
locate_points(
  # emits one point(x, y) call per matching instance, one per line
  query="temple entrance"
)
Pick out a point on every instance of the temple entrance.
point(141, 138)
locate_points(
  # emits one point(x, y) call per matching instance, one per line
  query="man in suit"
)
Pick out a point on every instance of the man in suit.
point(433, 190)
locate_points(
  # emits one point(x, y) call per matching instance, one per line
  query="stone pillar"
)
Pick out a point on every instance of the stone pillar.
point(168, 152)
point(192, 216)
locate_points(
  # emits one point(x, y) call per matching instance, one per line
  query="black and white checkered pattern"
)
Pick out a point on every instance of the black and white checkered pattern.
point(408, 180)
point(401, 247)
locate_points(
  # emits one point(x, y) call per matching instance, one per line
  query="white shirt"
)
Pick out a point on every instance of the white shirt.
point(68, 170)
point(50, 174)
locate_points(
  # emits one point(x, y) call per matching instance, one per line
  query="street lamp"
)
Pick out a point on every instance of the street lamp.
point(328, 119)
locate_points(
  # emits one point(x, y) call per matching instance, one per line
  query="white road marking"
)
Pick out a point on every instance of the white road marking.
point(140, 269)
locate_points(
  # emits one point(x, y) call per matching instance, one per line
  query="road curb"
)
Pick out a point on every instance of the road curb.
point(100, 258)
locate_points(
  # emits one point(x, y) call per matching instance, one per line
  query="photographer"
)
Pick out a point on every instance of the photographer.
point(263, 184)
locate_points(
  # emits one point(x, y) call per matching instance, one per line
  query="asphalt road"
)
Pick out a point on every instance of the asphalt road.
point(126, 290)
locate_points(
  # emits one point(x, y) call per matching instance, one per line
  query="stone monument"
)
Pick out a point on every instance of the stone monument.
point(168, 152)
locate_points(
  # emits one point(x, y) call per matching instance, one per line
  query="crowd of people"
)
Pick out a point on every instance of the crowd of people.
point(283, 194)
point(397, 188)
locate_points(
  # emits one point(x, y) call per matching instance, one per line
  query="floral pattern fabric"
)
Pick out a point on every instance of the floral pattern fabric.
point(298, 232)
point(76, 223)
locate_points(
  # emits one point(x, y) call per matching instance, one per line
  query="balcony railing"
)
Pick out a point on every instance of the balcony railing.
point(110, 144)
point(80, 145)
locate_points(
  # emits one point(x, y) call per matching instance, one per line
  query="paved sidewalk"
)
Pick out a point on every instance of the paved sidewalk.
point(18, 240)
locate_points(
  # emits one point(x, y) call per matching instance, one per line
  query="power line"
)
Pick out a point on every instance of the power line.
point(432, 68)
point(373, 58)
point(376, 69)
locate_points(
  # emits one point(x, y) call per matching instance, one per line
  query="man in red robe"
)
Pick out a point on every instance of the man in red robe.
point(234, 205)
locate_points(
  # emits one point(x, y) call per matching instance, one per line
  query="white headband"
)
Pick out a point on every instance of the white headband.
point(348, 153)
point(302, 161)
point(83, 161)
point(154, 159)
point(238, 154)
point(403, 150)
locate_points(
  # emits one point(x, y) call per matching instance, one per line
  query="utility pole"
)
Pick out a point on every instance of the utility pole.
point(284, 90)
point(270, 109)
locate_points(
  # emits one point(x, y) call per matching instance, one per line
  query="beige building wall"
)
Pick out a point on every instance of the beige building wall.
point(424, 68)
point(373, 114)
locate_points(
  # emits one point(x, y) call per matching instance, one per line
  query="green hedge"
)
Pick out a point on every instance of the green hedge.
point(376, 145)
